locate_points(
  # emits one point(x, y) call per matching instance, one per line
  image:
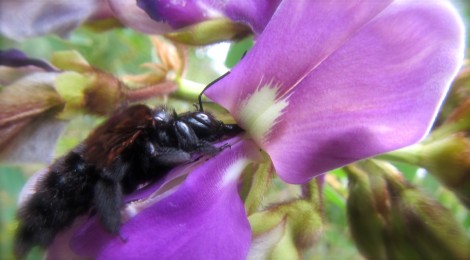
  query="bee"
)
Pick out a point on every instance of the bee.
point(135, 146)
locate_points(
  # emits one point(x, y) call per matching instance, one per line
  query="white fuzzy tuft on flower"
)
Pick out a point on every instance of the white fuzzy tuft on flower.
point(260, 111)
point(233, 172)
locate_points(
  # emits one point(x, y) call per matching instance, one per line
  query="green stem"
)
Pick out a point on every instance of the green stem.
point(143, 93)
point(448, 129)
point(188, 90)
point(408, 155)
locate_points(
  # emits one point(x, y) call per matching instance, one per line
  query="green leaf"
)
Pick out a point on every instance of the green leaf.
point(237, 50)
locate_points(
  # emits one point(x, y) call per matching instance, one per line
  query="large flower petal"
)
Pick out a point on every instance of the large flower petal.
point(203, 218)
point(360, 79)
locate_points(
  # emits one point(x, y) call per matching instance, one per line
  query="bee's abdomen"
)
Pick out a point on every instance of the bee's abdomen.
point(65, 193)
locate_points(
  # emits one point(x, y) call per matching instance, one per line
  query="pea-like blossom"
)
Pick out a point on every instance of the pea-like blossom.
point(153, 17)
point(326, 83)
point(179, 14)
point(338, 82)
point(60, 17)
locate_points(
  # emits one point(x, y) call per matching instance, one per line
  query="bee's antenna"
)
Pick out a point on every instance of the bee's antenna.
point(243, 55)
point(201, 109)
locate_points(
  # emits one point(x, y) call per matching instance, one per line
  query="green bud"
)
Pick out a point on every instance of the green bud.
point(391, 219)
point(367, 209)
point(446, 157)
point(92, 93)
point(256, 183)
point(70, 61)
point(283, 231)
point(459, 93)
point(425, 224)
point(71, 87)
point(449, 160)
point(209, 32)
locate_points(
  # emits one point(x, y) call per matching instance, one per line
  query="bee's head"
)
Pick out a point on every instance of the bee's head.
point(207, 127)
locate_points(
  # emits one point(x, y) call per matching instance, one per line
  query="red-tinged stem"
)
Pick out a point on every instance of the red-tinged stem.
point(137, 94)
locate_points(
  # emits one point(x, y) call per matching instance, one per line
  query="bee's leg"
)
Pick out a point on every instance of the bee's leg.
point(108, 199)
point(206, 148)
point(187, 138)
point(108, 196)
point(170, 157)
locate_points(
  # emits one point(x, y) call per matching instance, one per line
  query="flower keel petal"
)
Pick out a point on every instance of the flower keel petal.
point(204, 217)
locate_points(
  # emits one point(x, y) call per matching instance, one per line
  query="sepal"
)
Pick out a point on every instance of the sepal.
point(211, 31)
point(287, 229)
point(407, 224)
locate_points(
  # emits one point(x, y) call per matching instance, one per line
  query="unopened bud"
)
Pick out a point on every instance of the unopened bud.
point(211, 31)
point(458, 94)
point(28, 128)
point(403, 224)
point(446, 157)
point(367, 208)
point(425, 224)
point(70, 61)
point(92, 93)
point(285, 230)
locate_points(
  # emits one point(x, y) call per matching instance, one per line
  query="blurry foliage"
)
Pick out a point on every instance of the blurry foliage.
point(116, 51)
point(121, 51)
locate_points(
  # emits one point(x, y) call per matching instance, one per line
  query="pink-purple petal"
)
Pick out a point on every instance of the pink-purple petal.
point(178, 14)
point(254, 13)
point(203, 219)
point(356, 87)
point(300, 35)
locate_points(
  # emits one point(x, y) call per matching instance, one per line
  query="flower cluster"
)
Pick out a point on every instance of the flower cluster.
point(326, 84)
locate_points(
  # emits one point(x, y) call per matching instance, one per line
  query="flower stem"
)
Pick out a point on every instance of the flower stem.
point(408, 155)
point(187, 89)
point(138, 94)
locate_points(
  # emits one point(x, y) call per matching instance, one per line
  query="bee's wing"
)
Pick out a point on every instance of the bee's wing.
point(116, 134)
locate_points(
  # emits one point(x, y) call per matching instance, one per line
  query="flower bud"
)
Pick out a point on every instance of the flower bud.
point(93, 93)
point(367, 208)
point(445, 153)
point(448, 159)
point(89, 90)
point(458, 94)
point(424, 223)
point(391, 219)
point(211, 31)
point(285, 230)
point(28, 127)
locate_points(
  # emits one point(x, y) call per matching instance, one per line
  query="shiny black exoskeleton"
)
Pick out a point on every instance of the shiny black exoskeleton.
point(133, 147)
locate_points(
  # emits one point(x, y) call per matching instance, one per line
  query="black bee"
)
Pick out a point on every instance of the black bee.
point(133, 147)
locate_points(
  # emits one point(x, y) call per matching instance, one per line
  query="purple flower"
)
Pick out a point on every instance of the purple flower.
point(201, 216)
point(154, 17)
point(43, 17)
point(178, 14)
point(327, 83)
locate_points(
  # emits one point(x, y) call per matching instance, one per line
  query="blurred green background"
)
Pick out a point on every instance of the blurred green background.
point(120, 52)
